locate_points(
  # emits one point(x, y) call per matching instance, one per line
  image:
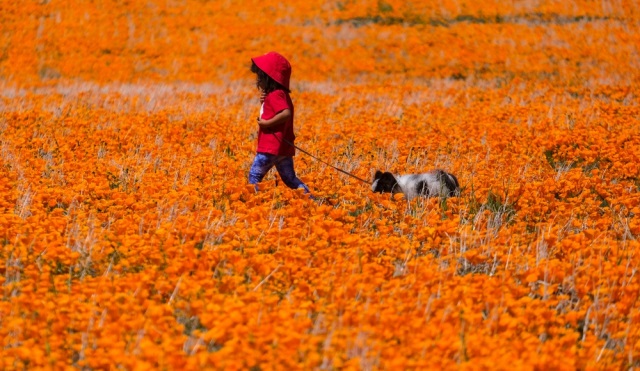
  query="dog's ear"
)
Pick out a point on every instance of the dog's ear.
point(387, 177)
point(378, 175)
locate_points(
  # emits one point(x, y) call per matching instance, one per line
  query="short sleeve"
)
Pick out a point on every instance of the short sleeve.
point(277, 101)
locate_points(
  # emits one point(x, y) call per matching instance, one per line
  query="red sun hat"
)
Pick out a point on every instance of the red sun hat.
point(276, 66)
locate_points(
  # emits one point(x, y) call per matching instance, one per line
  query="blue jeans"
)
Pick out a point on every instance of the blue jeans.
point(263, 162)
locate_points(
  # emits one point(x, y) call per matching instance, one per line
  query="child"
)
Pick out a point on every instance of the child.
point(275, 135)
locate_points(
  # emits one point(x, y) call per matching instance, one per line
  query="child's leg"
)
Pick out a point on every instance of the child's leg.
point(262, 163)
point(284, 165)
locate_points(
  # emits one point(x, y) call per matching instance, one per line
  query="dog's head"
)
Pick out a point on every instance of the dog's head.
point(384, 183)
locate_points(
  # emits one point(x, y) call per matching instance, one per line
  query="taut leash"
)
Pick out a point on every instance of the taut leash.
point(320, 160)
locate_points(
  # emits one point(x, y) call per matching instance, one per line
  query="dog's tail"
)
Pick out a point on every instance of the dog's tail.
point(451, 182)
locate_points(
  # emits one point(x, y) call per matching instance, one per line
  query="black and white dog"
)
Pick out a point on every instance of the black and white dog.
point(430, 184)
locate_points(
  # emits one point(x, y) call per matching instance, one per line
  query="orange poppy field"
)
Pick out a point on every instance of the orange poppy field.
point(131, 239)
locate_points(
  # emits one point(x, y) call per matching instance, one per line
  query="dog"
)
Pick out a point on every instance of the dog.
point(435, 183)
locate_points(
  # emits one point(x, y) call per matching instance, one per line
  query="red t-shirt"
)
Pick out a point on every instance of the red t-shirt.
point(272, 140)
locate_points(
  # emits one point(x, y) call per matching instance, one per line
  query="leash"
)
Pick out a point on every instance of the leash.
point(317, 159)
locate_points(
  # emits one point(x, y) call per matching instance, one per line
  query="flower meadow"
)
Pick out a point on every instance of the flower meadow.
point(130, 239)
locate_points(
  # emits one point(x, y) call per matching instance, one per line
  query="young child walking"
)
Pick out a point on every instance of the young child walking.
point(275, 122)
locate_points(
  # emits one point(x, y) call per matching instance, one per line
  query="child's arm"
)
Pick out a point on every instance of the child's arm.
point(279, 118)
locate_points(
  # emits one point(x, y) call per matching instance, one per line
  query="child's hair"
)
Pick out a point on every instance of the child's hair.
point(269, 83)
